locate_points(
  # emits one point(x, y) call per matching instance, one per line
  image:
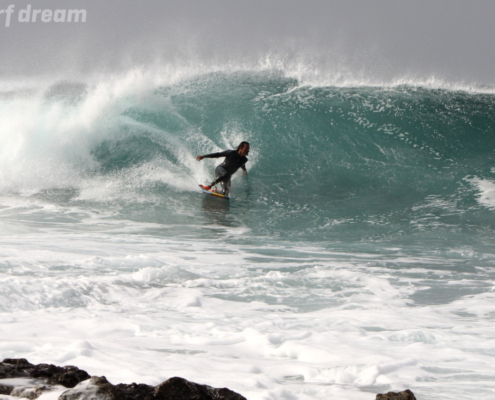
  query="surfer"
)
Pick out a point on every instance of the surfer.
point(234, 159)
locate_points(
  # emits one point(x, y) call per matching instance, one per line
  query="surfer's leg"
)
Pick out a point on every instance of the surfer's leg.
point(220, 175)
point(223, 177)
point(226, 186)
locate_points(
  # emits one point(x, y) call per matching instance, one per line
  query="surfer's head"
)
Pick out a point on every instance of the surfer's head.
point(243, 148)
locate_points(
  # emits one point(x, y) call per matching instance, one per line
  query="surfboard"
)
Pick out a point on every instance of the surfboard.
point(214, 194)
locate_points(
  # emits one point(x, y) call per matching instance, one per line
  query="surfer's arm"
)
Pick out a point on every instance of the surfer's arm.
point(244, 170)
point(214, 155)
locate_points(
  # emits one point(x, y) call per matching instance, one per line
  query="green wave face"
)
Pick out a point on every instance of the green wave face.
point(326, 163)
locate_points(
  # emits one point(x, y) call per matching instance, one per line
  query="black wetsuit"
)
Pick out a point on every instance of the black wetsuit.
point(233, 161)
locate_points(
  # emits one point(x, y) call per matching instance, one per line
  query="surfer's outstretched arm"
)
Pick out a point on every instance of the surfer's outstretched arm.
point(214, 155)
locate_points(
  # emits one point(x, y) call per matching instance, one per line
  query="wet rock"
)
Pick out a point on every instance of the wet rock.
point(136, 391)
point(405, 395)
point(47, 377)
point(67, 376)
point(173, 389)
point(6, 389)
point(95, 388)
point(15, 368)
point(28, 392)
point(18, 363)
point(181, 389)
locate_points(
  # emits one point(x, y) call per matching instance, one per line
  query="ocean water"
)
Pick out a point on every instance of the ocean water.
point(357, 257)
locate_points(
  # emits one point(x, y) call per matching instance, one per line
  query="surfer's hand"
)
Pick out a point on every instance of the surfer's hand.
point(199, 158)
point(244, 173)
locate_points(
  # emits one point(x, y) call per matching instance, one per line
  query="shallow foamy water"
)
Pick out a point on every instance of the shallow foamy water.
point(270, 320)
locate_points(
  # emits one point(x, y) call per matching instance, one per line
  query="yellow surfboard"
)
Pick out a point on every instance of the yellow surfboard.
point(214, 194)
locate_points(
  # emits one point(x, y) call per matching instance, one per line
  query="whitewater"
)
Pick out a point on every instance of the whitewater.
point(357, 257)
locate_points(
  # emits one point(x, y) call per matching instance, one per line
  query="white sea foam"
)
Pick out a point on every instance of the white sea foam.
point(486, 187)
point(144, 309)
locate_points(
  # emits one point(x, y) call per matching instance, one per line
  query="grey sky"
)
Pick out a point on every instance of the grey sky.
point(451, 39)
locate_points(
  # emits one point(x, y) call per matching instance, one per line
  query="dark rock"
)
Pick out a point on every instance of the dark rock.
point(136, 391)
point(28, 392)
point(227, 394)
point(67, 376)
point(181, 389)
point(5, 371)
point(70, 377)
point(14, 368)
point(44, 371)
point(94, 388)
point(172, 389)
point(81, 385)
point(18, 363)
point(405, 395)
point(5, 389)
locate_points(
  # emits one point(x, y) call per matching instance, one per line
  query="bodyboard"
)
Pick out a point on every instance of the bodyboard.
point(214, 194)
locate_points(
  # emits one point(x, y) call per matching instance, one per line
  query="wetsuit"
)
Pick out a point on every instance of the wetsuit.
point(233, 161)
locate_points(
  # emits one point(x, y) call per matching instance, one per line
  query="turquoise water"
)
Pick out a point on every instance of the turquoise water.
point(393, 165)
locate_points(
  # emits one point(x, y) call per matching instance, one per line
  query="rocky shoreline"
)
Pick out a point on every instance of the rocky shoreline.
point(21, 379)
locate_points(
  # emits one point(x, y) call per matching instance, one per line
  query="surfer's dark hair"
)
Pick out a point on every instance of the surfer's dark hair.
point(241, 145)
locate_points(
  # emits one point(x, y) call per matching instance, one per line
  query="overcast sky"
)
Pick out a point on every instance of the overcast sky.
point(452, 39)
